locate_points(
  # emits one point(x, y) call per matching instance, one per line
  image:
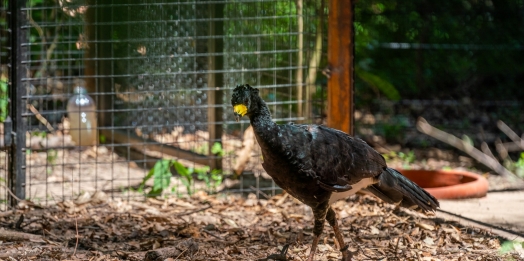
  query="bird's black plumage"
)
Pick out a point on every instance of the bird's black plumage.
point(312, 162)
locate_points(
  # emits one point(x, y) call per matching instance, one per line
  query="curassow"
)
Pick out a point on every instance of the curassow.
point(320, 165)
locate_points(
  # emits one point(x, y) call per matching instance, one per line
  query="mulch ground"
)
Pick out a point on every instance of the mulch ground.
point(228, 227)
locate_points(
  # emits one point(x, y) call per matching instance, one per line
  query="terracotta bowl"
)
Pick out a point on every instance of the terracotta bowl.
point(449, 184)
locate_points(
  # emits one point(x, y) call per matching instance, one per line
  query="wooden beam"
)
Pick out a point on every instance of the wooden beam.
point(340, 62)
point(140, 144)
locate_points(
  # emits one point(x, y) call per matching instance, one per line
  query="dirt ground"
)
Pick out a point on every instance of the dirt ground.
point(228, 227)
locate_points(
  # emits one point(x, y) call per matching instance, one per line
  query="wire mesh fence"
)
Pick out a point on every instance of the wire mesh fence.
point(5, 137)
point(160, 74)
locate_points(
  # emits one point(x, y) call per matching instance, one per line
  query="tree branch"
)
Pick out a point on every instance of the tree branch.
point(511, 134)
point(424, 127)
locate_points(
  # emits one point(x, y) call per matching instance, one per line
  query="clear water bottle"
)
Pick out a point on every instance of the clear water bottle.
point(81, 110)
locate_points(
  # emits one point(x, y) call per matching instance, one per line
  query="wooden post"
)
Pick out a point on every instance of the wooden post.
point(215, 80)
point(340, 62)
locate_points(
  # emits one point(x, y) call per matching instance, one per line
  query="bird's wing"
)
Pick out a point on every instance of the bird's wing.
point(336, 159)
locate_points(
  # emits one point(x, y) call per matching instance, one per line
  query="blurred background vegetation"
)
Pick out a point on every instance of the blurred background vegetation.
point(456, 63)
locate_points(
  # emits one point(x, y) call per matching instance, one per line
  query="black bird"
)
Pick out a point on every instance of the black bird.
point(320, 165)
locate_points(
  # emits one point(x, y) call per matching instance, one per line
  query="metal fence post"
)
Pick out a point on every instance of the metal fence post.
point(216, 79)
point(17, 92)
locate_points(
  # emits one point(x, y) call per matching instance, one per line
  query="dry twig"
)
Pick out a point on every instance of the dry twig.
point(10, 192)
point(511, 134)
point(9, 235)
point(425, 127)
point(40, 117)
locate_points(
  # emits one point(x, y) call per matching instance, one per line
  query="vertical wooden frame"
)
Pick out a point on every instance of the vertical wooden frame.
point(340, 62)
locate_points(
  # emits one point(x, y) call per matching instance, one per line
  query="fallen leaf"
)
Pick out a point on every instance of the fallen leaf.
point(426, 226)
point(374, 230)
point(429, 241)
point(230, 222)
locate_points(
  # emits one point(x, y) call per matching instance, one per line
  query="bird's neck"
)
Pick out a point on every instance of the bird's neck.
point(261, 121)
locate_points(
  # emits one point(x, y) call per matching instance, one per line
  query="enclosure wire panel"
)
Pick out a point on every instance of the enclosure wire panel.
point(161, 75)
point(4, 108)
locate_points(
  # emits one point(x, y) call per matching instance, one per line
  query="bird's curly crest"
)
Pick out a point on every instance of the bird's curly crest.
point(243, 87)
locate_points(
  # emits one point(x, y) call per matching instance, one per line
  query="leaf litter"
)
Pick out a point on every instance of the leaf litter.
point(230, 227)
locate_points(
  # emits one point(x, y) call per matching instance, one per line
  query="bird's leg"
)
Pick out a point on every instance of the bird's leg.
point(331, 217)
point(316, 238)
point(320, 216)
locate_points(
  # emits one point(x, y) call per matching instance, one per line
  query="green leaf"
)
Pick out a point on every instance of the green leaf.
point(3, 110)
point(3, 99)
point(181, 169)
point(376, 82)
point(510, 246)
point(201, 170)
point(217, 176)
point(154, 192)
point(102, 138)
point(217, 149)
point(185, 173)
point(3, 86)
point(34, 2)
point(161, 177)
point(148, 176)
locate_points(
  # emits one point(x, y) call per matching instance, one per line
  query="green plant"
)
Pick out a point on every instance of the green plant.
point(161, 177)
point(212, 179)
point(3, 98)
point(217, 149)
point(510, 246)
point(378, 83)
point(161, 174)
point(102, 139)
point(519, 166)
point(447, 168)
point(42, 134)
point(52, 156)
point(203, 148)
point(185, 174)
point(405, 158)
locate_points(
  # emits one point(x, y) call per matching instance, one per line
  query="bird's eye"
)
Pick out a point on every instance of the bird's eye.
point(246, 101)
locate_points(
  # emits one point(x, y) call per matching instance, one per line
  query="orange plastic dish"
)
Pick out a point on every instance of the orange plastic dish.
point(449, 184)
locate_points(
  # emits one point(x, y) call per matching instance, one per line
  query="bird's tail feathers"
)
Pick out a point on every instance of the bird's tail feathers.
point(393, 187)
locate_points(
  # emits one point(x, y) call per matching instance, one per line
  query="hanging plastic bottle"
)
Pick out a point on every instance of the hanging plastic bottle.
point(81, 110)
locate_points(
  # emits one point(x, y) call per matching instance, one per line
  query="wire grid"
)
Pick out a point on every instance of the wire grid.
point(151, 83)
point(3, 179)
point(268, 61)
point(3, 106)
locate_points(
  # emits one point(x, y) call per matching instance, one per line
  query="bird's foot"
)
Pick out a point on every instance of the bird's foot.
point(277, 257)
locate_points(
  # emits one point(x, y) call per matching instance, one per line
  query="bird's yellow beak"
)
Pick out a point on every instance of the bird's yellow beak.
point(240, 110)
